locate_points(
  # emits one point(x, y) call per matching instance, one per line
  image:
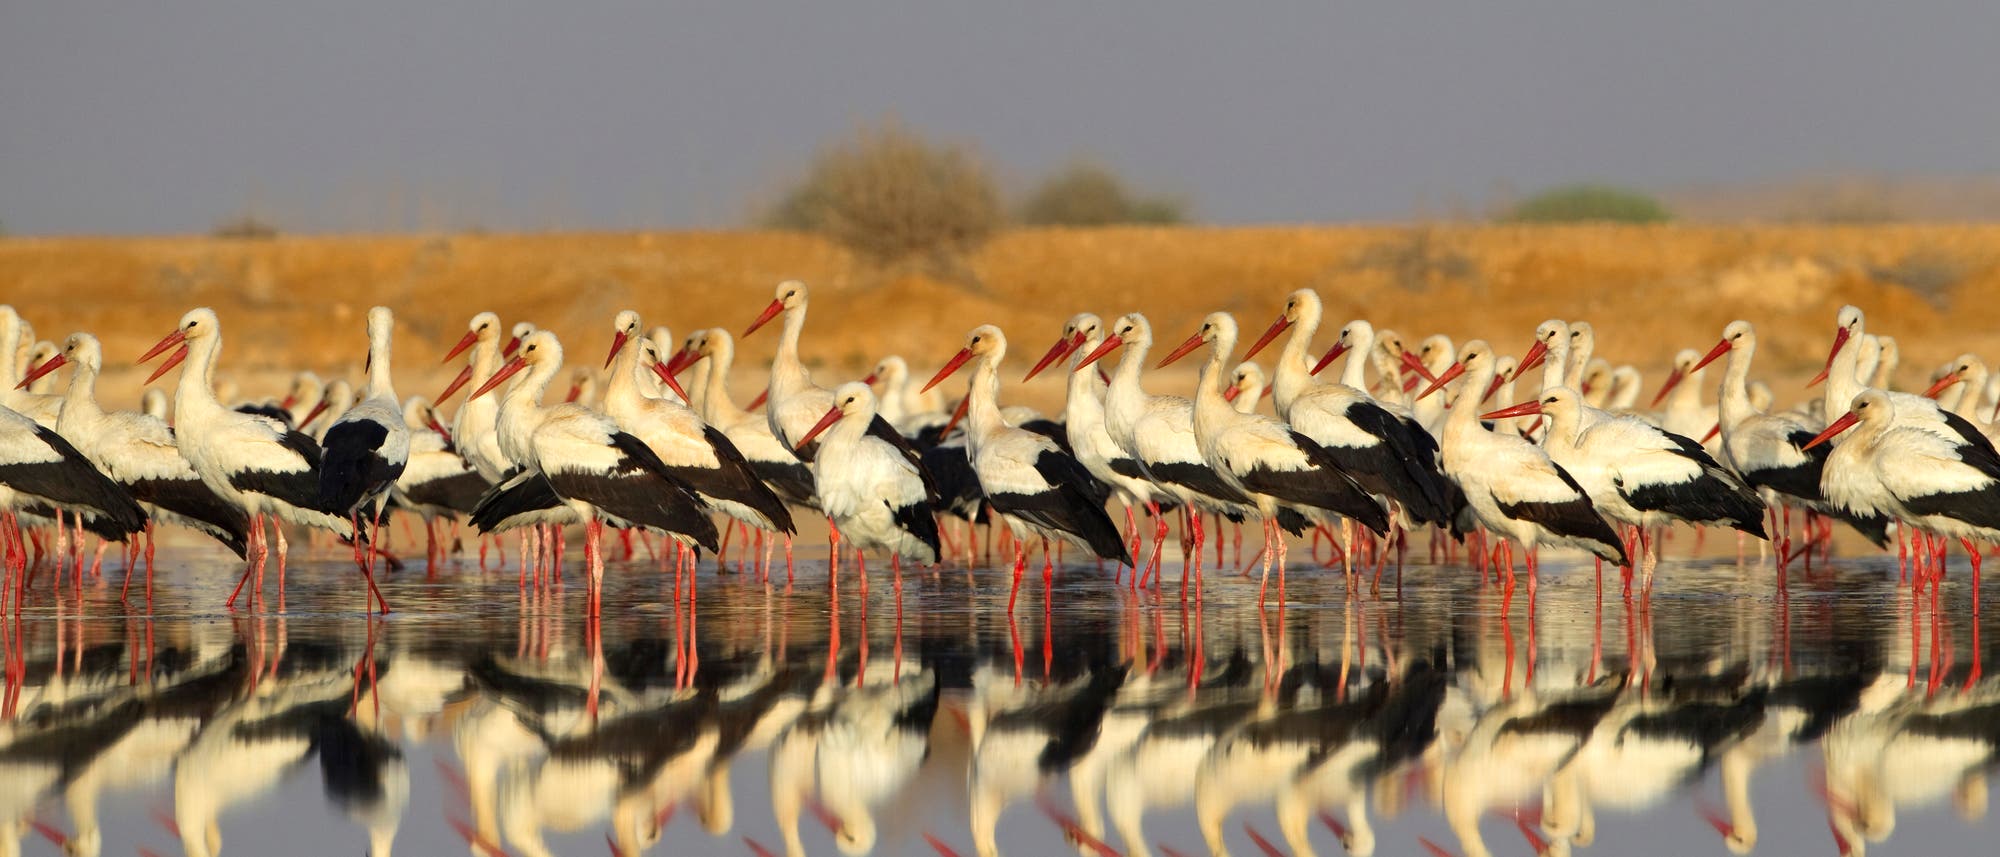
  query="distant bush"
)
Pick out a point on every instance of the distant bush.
point(1089, 195)
point(248, 226)
point(888, 194)
point(1580, 203)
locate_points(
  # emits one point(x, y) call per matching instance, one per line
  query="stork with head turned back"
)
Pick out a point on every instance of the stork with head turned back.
point(1640, 475)
point(251, 461)
point(1157, 433)
point(138, 452)
point(1031, 483)
point(602, 474)
point(1265, 458)
point(795, 402)
point(366, 450)
point(1511, 486)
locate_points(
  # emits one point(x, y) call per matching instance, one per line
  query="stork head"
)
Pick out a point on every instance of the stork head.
point(1352, 336)
point(381, 322)
point(1738, 334)
point(850, 400)
point(538, 348)
point(1848, 324)
point(516, 336)
point(1246, 380)
point(484, 327)
point(1965, 367)
point(1870, 406)
point(624, 328)
point(891, 371)
point(84, 350)
point(1080, 328)
point(1219, 329)
point(985, 342)
point(1302, 305)
point(1597, 373)
point(790, 294)
point(1581, 335)
point(198, 324)
point(1476, 356)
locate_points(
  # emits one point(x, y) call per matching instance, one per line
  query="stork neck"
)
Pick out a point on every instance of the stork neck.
point(10, 342)
point(1354, 372)
point(380, 384)
point(1687, 396)
point(1466, 415)
point(621, 387)
point(195, 393)
point(1555, 364)
point(1292, 375)
point(982, 408)
point(1578, 361)
point(1842, 381)
point(1208, 400)
point(787, 371)
point(1083, 384)
point(1733, 403)
point(80, 399)
point(526, 393)
point(716, 405)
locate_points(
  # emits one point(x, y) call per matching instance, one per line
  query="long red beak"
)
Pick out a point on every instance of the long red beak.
point(950, 366)
point(180, 354)
point(1411, 363)
point(287, 402)
point(957, 415)
point(1936, 389)
point(1537, 353)
point(759, 401)
point(825, 422)
point(869, 380)
point(1332, 354)
point(1180, 351)
point(314, 413)
point(1527, 408)
point(508, 371)
point(513, 345)
point(35, 374)
point(1840, 425)
point(1276, 328)
point(1230, 394)
point(618, 340)
point(1063, 347)
point(1715, 820)
point(575, 390)
point(464, 375)
point(1491, 388)
point(667, 378)
point(770, 312)
point(1673, 380)
point(1712, 432)
point(1437, 384)
point(1840, 337)
point(438, 427)
point(1720, 349)
point(1109, 344)
point(166, 342)
point(464, 342)
point(681, 360)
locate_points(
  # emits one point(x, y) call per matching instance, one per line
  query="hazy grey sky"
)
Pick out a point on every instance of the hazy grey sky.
point(391, 114)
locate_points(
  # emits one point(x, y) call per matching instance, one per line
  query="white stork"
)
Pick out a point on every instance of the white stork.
point(303, 398)
point(138, 452)
point(794, 401)
point(473, 428)
point(581, 460)
point(42, 409)
point(871, 483)
point(437, 482)
point(38, 466)
point(1640, 475)
point(1246, 387)
point(1157, 434)
point(774, 463)
point(1685, 415)
point(1031, 483)
point(1768, 450)
point(1389, 455)
point(1947, 484)
point(254, 462)
point(693, 451)
point(1510, 485)
point(1265, 458)
point(366, 449)
point(333, 404)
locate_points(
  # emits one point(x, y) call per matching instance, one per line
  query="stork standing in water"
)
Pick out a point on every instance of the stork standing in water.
point(473, 429)
point(1032, 484)
point(1157, 432)
point(1640, 475)
point(1511, 486)
point(253, 462)
point(38, 465)
point(1944, 484)
point(581, 458)
point(773, 462)
point(1083, 424)
point(1389, 455)
point(367, 448)
point(1768, 450)
point(695, 452)
point(871, 484)
point(795, 402)
point(437, 482)
point(138, 452)
point(1265, 458)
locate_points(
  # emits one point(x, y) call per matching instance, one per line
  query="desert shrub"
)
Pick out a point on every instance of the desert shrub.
point(247, 226)
point(1415, 259)
point(1928, 273)
point(1580, 203)
point(1085, 194)
point(888, 194)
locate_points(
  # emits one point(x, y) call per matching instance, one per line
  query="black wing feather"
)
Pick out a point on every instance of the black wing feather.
point(1575, 519)
point(352, 468)
point(72, 481)
point(1066, 507)
point(642, 491)
point(198, 504)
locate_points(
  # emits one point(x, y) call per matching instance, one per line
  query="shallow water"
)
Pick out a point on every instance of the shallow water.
point(1849, 709)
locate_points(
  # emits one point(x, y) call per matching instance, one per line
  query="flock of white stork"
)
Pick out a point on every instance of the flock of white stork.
point(1570, 466)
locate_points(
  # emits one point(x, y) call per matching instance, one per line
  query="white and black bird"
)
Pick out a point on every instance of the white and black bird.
point(437, 483)
point(15, 340)
point(254, 462)
point(870, 482)
point(1035, 487)
point(794, 401)
point(581, 458)
point(1389, 454)
point(37, 466)
point(776, 464)
point(1769, 449)
point(473, 429)
point(1511, 486)
point(366, 449)
point(1265, 458)
point(139, 453)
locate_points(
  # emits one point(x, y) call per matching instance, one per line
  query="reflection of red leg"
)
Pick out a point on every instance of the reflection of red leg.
point(1020, 565)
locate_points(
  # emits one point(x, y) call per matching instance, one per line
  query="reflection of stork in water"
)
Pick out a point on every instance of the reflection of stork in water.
point(854, 752)
point(1510, 752)
point(1158, 769)
point(1023, 736)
